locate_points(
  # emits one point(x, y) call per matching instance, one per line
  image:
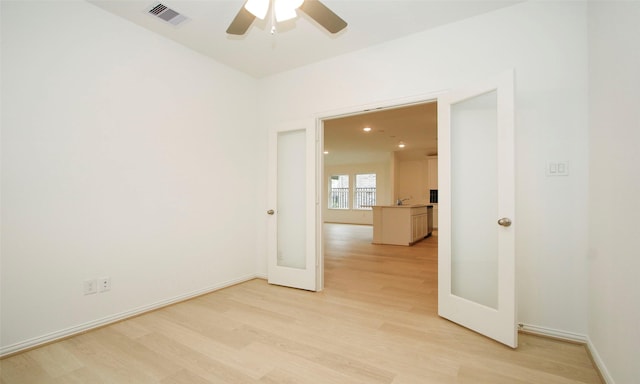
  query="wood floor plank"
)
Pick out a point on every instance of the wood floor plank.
point(375, 322)
point(56, 360)
point(195, 362)
point(184, 377)
point(22, 368)
point(232, 358)
point(82, 375)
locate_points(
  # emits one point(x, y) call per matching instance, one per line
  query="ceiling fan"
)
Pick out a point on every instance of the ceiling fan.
point(282, 10)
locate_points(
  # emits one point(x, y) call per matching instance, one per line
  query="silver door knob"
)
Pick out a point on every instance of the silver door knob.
point(505, 222)
point(271, 212)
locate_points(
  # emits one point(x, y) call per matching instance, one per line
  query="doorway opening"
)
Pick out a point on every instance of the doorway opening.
point(398, 146)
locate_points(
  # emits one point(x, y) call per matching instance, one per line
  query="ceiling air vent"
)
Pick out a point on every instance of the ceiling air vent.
point(167, 14)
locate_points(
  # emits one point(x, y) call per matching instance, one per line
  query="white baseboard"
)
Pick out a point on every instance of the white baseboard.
point(573, 337)
point(604, 372)
point(554, 333)
point(71, 331)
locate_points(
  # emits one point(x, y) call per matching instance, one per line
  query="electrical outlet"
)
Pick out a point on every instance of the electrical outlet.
point(89, 287)
point(104, 284)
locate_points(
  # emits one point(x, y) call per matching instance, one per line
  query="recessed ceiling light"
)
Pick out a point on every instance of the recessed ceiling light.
point(366, 129)
point(326, 152)
point(401, 144)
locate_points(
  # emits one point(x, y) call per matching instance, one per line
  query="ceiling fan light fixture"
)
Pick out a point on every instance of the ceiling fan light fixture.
point(284, 14)
point(283, 10)
point(258, 8)
point(286, 9)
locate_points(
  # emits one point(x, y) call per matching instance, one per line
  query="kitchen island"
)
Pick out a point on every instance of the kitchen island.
point(401, 224)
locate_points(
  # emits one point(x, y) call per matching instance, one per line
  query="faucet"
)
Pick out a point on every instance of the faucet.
point(400, 201)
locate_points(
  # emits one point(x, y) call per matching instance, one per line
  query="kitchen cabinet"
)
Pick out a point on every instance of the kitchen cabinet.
point(401, 224)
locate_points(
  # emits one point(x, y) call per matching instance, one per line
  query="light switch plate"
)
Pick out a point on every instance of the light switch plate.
point(90, 286)
point(558, 168)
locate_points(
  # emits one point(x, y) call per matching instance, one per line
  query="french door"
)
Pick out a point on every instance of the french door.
point(293, 206)
point(476, 231)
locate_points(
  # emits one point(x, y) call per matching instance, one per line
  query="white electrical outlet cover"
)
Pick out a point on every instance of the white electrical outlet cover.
point(89, 287)
point(104, 284)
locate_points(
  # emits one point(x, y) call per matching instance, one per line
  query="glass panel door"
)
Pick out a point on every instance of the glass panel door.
point(476, 203)
point(291, 199)
point(474, 206)
point(292, 213)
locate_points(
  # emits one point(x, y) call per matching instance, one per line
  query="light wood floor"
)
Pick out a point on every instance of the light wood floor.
point(375, 322)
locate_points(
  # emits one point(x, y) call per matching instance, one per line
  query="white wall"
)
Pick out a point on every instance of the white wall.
point(412, 181)
point(614, 187)
point(123, 155)
point(546, 43)
point(115, 151)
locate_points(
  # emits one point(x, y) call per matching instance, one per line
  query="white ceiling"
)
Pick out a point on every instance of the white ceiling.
point(415, 125)
point(300, 41)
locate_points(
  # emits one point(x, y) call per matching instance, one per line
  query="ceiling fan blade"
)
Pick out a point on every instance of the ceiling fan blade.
point(241, 22)
point(323, 16)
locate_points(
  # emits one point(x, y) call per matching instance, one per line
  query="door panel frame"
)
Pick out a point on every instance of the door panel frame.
point(307, 278)
point(497, 324)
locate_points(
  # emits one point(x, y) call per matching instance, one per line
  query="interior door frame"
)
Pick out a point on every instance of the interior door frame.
point(350, 111)
point(431, 97)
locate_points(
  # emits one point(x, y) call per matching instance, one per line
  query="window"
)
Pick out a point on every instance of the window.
point(339, 192)
point(365, 191)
